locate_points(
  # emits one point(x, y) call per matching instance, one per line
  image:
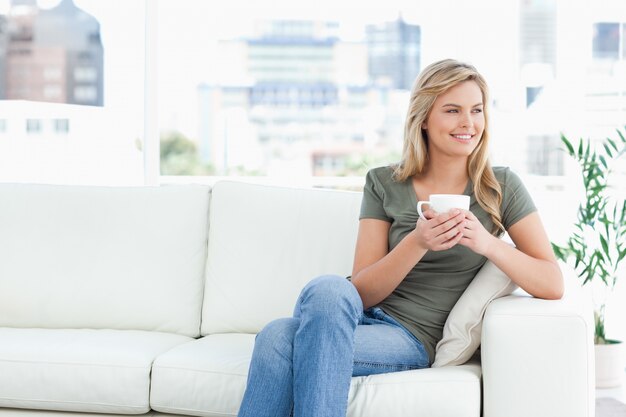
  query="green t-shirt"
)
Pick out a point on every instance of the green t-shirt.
point(425, 297)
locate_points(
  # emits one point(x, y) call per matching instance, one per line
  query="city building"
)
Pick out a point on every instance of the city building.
point(294, 99)
point(394, 50)
point(3, 47)
point(68, 144)
point(53, 55)
point(609, 41)
point(584, 97)
point(538, 66)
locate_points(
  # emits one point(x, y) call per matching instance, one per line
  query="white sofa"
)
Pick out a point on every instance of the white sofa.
point(145, 300)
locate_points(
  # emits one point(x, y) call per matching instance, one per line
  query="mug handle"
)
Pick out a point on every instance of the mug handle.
point(419, 208)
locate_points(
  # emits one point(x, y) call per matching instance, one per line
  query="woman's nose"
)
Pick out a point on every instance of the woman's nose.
point(466, 121)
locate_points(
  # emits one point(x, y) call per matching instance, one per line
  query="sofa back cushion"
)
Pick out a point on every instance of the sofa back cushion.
point(103, 257)
point(265, 244)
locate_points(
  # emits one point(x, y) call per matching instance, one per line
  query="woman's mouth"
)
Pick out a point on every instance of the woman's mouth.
point(463, 137)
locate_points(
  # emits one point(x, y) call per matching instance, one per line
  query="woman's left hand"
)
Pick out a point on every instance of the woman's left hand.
point(475, 236)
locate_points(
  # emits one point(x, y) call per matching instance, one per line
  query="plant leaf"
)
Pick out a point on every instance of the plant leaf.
point(621, 256)
point(580, 148)
point(568, 145)
point(621, 136)
point(558, 252)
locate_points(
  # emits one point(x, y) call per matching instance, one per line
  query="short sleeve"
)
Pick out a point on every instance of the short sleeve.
point(516, 200)
point(372, 205)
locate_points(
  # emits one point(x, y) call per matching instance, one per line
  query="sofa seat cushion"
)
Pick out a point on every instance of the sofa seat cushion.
point(105, 371)
point(207, 377)
point(435, 392)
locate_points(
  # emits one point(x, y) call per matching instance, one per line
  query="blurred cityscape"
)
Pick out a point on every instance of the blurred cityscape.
point(300, 101)
point(294, 98)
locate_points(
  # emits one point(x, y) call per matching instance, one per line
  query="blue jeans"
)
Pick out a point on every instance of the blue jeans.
point(303, 365)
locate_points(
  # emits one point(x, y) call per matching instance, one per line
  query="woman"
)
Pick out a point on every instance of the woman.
point(408, 272)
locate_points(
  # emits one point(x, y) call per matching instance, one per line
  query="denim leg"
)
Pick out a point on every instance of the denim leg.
point(382, 345)
point(329, 309)
point(269, 391)
point(304, 364)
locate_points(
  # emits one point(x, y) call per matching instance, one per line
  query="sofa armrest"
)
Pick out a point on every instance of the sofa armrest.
point(538, 355)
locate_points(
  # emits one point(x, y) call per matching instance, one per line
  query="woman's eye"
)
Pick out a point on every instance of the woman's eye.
point(478, 110)
point(452, 111)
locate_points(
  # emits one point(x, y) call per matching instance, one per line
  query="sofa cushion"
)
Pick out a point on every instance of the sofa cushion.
point(207, 377)
point(462, 330)
point(79, 370)
point(204, 377)
point(440, 392)
point(103, 257)
point(265, 244)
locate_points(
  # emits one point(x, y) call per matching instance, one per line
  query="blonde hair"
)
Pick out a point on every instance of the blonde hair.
point(434, 80)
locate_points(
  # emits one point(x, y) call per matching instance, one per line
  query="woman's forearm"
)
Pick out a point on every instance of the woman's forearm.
point(538, 277)
point(375, 282)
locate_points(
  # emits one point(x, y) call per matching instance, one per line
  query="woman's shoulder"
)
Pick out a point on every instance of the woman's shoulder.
point(382, 174)
point(505, 175)
point(500, 171)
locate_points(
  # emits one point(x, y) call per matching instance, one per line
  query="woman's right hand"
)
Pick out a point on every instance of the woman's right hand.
point(439, 231)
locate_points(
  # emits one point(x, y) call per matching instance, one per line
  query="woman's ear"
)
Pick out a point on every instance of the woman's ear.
point(424, 127)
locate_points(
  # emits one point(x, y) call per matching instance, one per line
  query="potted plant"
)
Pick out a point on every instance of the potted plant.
point(598, 243)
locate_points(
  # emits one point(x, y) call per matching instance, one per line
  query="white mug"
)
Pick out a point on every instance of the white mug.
point(442, 203)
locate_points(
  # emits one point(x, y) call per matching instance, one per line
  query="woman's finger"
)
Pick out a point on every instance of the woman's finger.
point(449, 222)
point(451, 242)
point(429, 214)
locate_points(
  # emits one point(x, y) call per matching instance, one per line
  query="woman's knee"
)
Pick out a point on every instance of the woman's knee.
point(330, 293)
point(276, 338)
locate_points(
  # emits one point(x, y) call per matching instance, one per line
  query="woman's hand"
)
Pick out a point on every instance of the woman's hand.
point(475, 236)
point(440, 231)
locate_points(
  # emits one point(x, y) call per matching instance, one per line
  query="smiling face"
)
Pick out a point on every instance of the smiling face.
point(456, 121)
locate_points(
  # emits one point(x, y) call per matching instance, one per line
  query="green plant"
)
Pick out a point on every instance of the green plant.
point(598, 242)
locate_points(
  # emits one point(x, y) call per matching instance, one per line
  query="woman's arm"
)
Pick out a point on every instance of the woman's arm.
point(378, 271)
point(531, 264)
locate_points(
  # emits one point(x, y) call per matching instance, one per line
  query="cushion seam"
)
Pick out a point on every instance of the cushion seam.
point(74, 364)
point(156, 368)
point(73, 402)
point(447, 381)
point(566, 315)
point(170, 408)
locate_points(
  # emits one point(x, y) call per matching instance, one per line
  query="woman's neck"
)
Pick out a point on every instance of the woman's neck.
point(445, 175)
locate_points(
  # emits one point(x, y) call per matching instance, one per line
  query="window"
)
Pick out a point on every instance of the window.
point(606, 40)
point(72, 77)
point(85, 94)
point(328, 87)
point(52, 74)
point(61, 125)
point(85, 74)
point(278, 94)
point(33, 126)
point(254, 88)
point(3, 125)
point(544, 156)
point(52, 92)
